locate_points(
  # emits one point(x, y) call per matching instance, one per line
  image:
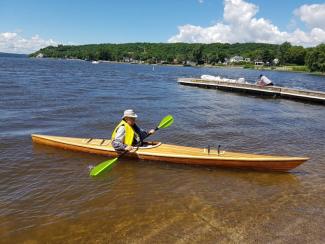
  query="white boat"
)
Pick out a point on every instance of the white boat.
point(218, 78)
point(95, 62)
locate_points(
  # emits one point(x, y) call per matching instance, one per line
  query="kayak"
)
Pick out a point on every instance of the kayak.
point(157, 151)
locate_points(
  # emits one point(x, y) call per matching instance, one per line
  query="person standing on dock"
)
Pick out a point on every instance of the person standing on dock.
point(127, 134)
point(264, 81)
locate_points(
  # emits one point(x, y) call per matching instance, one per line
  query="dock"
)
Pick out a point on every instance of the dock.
point(267, 91)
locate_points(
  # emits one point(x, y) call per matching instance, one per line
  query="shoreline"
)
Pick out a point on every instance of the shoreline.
point(280, 68)
point(285, 68)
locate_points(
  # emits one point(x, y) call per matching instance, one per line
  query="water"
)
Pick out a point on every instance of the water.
point(47, 196)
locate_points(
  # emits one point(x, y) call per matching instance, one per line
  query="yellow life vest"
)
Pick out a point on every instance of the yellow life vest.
point(129, 133)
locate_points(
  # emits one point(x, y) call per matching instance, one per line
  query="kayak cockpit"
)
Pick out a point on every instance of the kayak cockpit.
point(105, 142)
point(150, 144)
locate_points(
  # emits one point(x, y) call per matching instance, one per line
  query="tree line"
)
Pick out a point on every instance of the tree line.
point(182, 53)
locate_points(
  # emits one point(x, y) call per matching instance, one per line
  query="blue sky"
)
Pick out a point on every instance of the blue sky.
point(120, 21)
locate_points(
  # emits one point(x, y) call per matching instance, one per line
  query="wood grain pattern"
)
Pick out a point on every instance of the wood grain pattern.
point(177, 154)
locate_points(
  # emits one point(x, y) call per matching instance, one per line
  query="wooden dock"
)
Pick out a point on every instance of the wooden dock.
point(269, 91)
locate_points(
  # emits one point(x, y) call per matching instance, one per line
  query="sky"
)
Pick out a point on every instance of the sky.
point(27, 26)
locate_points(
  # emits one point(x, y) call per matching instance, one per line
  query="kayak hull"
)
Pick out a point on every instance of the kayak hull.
point(176, 154)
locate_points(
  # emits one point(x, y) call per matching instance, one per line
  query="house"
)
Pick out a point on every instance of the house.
point(259, 63)
point(226, 61)
point(275, 61)
point(127, 60)
point(40, 55)
point(189, 63)
point(236, 59)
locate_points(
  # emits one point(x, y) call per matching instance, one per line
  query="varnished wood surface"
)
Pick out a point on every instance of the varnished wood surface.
point(177, 154)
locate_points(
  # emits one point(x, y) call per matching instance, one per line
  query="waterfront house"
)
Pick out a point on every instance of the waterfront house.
point(259, 63)
point(40, 55)
point(236, 59)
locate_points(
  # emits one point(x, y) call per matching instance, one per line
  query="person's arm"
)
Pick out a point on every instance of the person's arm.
point(258, 82)
point(143, 133)
point(261, 82)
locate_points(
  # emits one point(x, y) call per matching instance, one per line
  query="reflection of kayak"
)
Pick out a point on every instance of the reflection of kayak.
point(176, 154)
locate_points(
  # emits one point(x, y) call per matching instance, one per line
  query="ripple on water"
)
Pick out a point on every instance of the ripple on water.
point(46, 194)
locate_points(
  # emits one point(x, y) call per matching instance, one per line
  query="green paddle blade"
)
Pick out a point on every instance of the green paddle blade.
point(107, 165)
point(166, 122)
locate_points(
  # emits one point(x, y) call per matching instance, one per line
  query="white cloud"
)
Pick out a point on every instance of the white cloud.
point(240, 25)
point(200, 1)
point(13, 42)
point(238, 11)
point(313, 15)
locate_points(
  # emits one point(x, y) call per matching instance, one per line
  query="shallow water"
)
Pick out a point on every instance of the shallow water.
point(47, 196)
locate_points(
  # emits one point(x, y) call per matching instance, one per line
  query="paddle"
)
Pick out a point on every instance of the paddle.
point(108, 164)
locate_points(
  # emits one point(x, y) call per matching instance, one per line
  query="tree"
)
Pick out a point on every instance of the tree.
point(296, 55)
point(212, 58)
point(315, 58)
point(257, 55)
point(170, 58)
point(181, 58)
point(267, 56)
point(284, 52)
point(222, 56)
point(104, 54)
point(90, 56)
point(197, 54)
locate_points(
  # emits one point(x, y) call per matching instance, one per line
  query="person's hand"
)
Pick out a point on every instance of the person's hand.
point(129, 148)
point(151, 132)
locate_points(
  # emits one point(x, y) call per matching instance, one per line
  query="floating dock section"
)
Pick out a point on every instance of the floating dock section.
point(269, 91)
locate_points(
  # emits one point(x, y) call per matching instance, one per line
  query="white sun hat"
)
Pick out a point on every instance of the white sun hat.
point(130, 114)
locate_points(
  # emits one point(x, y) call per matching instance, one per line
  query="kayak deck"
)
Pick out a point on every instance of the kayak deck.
point(176, 154)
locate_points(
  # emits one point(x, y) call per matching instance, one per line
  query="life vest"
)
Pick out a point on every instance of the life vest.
point(129, 133)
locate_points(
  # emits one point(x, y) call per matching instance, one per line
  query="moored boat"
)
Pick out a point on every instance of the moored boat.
point(220, 79)
point(158, 151)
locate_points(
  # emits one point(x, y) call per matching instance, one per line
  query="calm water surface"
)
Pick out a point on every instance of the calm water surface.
point(47, 196)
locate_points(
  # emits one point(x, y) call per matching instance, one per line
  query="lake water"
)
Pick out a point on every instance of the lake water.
point(46, 194)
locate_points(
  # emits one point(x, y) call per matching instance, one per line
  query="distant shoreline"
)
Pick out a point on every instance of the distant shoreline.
point(12, 55)
point(288, 68)
point(278, 68)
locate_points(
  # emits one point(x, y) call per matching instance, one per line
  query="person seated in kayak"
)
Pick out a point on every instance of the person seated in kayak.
point(127, 134)
point(264, 81)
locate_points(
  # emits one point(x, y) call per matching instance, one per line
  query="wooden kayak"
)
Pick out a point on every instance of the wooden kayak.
point(158, 151)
